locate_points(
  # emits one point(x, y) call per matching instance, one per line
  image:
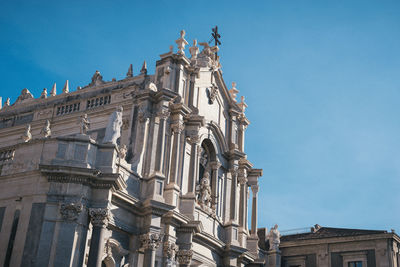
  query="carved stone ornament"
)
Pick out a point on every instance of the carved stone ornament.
point(212, 94)
point(97, 79)
point(163, 114)
point(44, 93)
point(150, 241)
point(113, 130)
point(25, 94)
point(46, 131)
point(181, 42)
point(99, 217)
point(184, 256)
point(71, 211)
point(177, 128)
point(170, 250)
point(143, 114)
point(27, 136)
point(204, 192)
point(122, 151)
point(84, 124)
point(193, 139)
point(274, 238)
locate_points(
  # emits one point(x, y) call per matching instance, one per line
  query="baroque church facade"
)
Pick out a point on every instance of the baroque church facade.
point(146, 171)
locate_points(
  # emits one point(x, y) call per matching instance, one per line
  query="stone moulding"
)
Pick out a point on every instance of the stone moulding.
point(92, 178)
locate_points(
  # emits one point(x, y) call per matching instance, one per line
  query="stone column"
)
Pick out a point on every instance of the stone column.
point(214, 183)
point(184, 257)
point(242, 177)
point(234, 195)
point(254, 189)
point(99, 219)
point(163, 115)
point(177, 129)
point(194, 141)
point(150, 243)
point(172, 188)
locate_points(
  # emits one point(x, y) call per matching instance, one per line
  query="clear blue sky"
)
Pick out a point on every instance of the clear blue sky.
point(321, 79)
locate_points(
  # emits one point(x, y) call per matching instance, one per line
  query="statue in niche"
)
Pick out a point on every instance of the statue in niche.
point(46, 131)
point(274, 238)
point(204, 192)
point(27, 136)
point(113, 130)
point(84, 124)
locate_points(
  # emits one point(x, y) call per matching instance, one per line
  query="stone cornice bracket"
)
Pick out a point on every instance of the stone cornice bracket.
point(170, 249)
point(99, 216)
point(184, 256)
point(70, 211)
point(150, 241)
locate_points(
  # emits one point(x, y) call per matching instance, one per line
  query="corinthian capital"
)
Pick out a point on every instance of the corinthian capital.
point(170, 250)
point(193, 139)
point(184, 256)
point(99, 217)
point(163, 114)
point(150, 241)
point(254, 189)
point(177, 127)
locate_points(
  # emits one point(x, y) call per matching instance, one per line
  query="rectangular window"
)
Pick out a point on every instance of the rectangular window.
point(355, 264)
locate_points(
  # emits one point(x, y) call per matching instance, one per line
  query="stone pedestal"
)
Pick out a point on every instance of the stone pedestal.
point(274, 258)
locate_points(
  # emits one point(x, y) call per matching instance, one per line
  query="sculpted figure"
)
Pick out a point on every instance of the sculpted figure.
point(122, 151)
point(204, 189)
point(274, 238)
point(27, 136)
point(84, 124)
point(46, 129)
point(113, 130)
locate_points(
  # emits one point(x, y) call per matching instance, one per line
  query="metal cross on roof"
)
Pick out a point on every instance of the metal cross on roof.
point(216, 35)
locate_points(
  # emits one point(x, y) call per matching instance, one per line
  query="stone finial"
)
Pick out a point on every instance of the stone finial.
point(1, 102)
point(46, 131)
point(242, 104)
point(44, 93)
point(171, 48)
point(181, 42)
point(233, 91)
point(7, 103)
point(66, 87)
point(130, 71)
point(144, 68)
point(194, 50)
point(54, 90)
point(27, 136)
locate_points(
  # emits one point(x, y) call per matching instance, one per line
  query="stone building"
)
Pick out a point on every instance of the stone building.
point(337, 247)
point(149, 170)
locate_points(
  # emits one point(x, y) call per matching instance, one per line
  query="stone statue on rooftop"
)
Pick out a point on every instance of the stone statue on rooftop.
point(274, 238)
point(122, 151)
point(113, 130)
point(84, 124)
